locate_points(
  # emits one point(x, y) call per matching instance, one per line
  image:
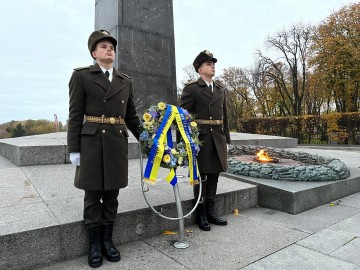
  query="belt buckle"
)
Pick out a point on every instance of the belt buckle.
point(112, 120)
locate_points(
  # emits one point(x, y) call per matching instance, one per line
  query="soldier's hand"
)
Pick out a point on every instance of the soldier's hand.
point(75, 159)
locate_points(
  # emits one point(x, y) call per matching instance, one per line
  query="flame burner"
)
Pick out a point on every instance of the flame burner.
point(263, 157)
point(270, 160)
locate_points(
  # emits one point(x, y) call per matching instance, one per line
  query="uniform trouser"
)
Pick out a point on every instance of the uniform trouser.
point(209, 183)
point(100, 207)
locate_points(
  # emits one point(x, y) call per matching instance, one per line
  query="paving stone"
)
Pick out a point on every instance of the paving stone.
point(243, 241)
point(349, 252)
point(326, 241)
point(310, 221)
point(296, 257)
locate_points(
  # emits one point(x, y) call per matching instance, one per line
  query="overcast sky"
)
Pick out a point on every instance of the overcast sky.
point(43, 40)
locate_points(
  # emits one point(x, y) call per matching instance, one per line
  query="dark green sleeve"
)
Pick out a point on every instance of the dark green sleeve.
point(76, 112)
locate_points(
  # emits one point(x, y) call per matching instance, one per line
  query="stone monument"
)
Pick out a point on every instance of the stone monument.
point(146, 50)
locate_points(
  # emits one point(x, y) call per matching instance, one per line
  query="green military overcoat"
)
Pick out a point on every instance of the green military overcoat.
point(198, 100)
point(103, 147)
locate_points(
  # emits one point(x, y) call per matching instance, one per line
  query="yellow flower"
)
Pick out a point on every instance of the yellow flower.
point(166, 158)
point(147, 125)
point(193, 124)
point(180, 160)
point(147, 117)
point(173, 151)
point(161, 106)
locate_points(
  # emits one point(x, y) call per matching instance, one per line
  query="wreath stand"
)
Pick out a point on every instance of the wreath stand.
point(181, 243)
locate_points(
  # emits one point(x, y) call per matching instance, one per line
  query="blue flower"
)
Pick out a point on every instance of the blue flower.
point(144, 136)
point(173, 161)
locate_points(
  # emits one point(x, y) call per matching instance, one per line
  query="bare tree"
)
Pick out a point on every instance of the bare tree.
point(289, 72)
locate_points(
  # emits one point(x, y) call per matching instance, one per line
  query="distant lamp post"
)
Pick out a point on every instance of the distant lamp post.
point(56, 123)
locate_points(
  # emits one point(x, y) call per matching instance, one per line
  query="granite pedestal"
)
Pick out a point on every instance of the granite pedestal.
point(295, 196)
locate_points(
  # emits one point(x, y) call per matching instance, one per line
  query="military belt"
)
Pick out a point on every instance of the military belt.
point(105, 120)
point(209, 122)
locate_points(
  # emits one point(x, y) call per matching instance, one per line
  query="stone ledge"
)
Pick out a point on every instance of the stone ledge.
point(297, 197)
point(51, 148)
point(24, 248)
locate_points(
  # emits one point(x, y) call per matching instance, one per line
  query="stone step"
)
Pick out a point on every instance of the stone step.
point(41, 212)
point(52, 148)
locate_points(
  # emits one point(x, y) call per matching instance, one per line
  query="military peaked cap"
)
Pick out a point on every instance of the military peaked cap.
point(202, 57)
point(98, 35)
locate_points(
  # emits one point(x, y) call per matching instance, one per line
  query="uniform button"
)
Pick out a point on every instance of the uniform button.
point(120, 131)
point(103, 131)
point(104, 100)
point(210, 129)
point(210, 117)
point(122, 101)
point(103, 115)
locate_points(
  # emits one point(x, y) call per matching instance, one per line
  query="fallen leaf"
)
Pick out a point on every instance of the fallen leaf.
point(236, 212)
point(169, 233)
point(331, 204)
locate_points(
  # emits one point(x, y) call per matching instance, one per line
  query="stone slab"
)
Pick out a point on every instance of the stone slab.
point(135, 255)
point(296, 197)
point(296, 257)
point(15, 188)
point(262, 140)
point(53, 181)
point(349, 225)
point(313, 220)
point(243, 241)
point(349, 252)
point(20, 251)
point(326, 241)
point(59, 205)
point(352, 200)
point(5, 163)
point(25, 217)
point(47, 149)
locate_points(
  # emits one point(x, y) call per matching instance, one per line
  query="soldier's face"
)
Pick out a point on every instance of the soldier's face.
point(104, 52)
point(207, 68)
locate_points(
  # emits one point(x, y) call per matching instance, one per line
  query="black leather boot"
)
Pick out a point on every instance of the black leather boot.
point(201, 218)
point(95, 258)
point(110, 252)
point(211, 216)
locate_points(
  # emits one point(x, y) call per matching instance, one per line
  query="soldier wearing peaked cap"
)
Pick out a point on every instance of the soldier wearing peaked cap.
point(101, 108)
point(206, 100)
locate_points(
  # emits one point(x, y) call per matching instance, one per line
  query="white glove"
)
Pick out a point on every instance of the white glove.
point(75, 158)
point(227, 147)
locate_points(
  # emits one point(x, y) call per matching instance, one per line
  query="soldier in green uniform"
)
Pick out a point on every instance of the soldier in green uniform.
point(205, 99)
point(101, 108)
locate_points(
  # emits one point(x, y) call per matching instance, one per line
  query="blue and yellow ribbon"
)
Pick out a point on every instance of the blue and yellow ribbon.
point(163, 138)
